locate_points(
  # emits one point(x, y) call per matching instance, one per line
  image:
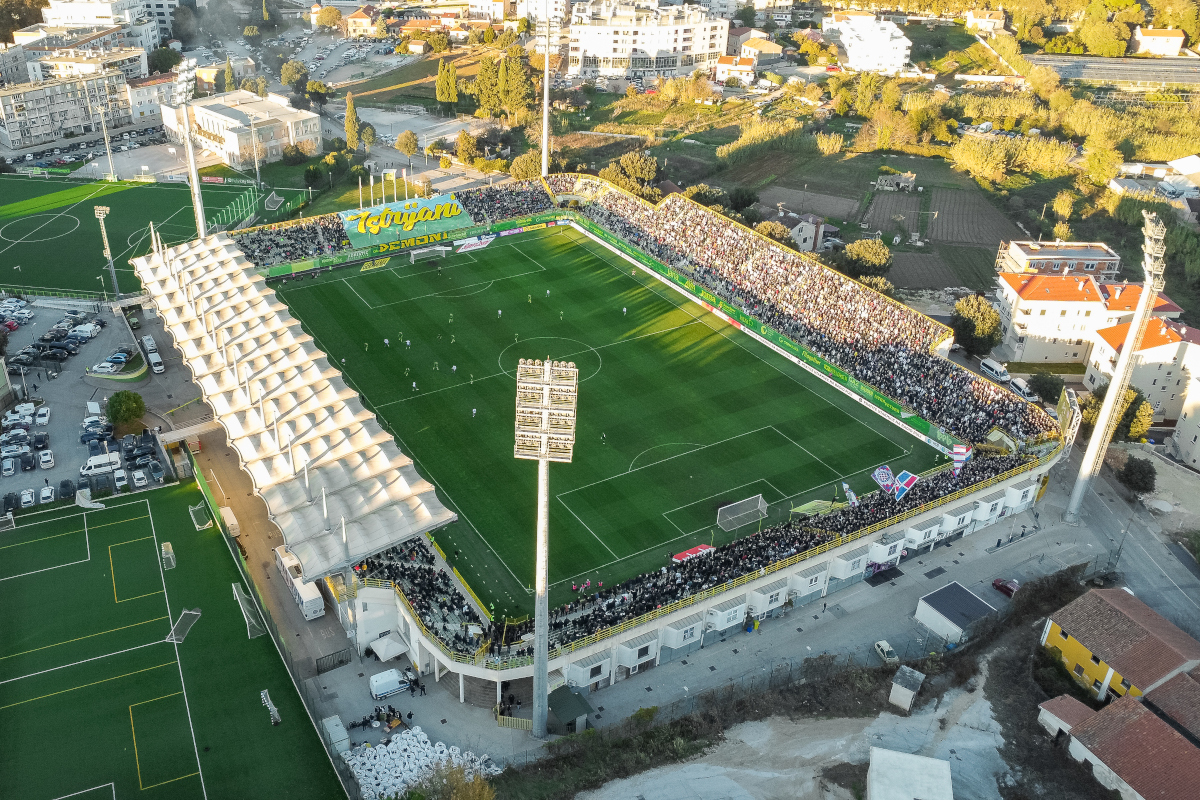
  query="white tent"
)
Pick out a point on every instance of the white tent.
point(388, 647)
point(315, 455)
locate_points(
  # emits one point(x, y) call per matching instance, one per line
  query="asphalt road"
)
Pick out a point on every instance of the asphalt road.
point(1122, 70)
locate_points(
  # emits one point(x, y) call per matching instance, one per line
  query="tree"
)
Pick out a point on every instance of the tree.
point(367, 134)
point(407, 143)
point(261, 86)
point(487, 93)
point(1062, 232)
point(746, 15)
point(446, 86)
point(1138, 475)
point(776, 231)
point(438, 42)
point(329, 17)
point(467, 147)
point(381, 27)
point(976, 325)
point(741, 198)
point(527, 166)
point(489, 35)
point(162, 60)
point(125, 407)
point(1134, 413)
point(1102, 164)
point(230, 81)
point(1064, 204)
point(519, 91)
point(523, 25)
point(867, 257)
point(250, 33)
point(1047, 386)
point(294, 74)
point(318, 92)
point(313, 175)
point(879, 284)
point(506, 39)
point(184, 25)
point(515, 51)
point(707, 195)
point(351, 124)
point(474, 37)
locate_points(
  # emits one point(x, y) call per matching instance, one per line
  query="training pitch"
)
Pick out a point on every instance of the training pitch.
point(50, 237)
point(97, 704)
point(679, 412)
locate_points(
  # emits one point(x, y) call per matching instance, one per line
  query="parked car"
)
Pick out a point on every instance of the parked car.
point(12, 502)
point(46, 459)
point(47, 495)
point(120, 479)
point(42, 417)
point(139, 479)
point(27, 498)
point(1006, 586)
point(106, 369)
point(66, 488)
point(156, 471)
point(13, 450)
point(8, 467)
point(28, 462)
point(41, 440)
point(885, 652)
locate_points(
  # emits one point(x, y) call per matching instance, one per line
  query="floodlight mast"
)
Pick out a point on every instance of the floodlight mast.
point(547, 400)
point(1106, 421)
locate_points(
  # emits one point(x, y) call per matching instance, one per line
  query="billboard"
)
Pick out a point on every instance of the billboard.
point(419, 217)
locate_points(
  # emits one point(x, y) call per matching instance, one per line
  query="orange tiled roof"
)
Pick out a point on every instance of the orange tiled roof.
point(1073, 288)
point(1124, 297)
point(1158, 333)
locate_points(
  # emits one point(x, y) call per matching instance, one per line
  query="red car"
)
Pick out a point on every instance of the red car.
point(8, 323)
point(1006, 586)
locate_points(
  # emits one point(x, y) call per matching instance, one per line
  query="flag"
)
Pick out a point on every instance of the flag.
point(905, 481)
point(883, 476)
point(960, 455)
point(850, 496)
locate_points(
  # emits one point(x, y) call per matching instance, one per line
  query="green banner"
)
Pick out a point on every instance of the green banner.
point(398, 221)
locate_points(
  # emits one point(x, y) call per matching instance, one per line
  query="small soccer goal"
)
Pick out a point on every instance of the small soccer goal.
point(168, 556)
point(273, 202)
point(200, 516)
point(179, 630)
point(7, 523)
point(743, 512)
point(254, 623)
point(428, 252)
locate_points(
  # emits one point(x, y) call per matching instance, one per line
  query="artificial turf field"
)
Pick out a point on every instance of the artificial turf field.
point(96, 704)
point(679, 413)
point(50, 238)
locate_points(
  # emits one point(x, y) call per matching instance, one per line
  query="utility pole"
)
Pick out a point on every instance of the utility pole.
point(546, 107)
point(112, 171)
point(101, 213)
point(1106, 422)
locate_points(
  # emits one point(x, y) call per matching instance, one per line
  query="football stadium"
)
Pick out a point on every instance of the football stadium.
point(742, 409)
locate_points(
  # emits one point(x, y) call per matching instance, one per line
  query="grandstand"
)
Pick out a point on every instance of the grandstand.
point(878, 364)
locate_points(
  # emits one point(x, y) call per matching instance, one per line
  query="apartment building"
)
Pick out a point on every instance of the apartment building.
point(36, 42)
point(67, 63)
point(1059, 258)
point(361, 22)
point(643, 40)
point(146, 95)
point(1054, 318)
point(870, 45)
point(151, 18)
point(222, 123)
point(984, 21)
point(1167, 365)
point(560, 10)
point(208, 75)
point(37, 113)
point(12, 64)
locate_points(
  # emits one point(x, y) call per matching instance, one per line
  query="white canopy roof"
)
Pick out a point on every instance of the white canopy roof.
point(300, 432)
point(388, 647)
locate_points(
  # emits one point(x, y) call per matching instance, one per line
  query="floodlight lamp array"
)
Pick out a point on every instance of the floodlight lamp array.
point(547, 395)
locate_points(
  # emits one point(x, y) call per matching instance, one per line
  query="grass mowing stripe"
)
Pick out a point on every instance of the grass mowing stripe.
point(86, 685)
point(63, 197)
point(81, 638)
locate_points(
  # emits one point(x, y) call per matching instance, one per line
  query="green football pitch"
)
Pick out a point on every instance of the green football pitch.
point(50, 237)
point(679, 412)
point(96, 703)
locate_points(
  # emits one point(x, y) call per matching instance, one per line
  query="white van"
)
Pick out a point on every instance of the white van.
point(388, 683)
point(994, 370)
point(156, 363)
point(100, 465)
point(1021, 389)
point(149, 343)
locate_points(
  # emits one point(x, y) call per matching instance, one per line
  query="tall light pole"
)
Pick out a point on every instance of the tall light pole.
point(193, 173)
point(547, 400)
point(546, 111)
point(101, 213)
point(1106, 422)
point(112, 171)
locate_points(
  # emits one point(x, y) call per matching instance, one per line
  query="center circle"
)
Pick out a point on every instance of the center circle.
point(51, 226)
point(586, 357)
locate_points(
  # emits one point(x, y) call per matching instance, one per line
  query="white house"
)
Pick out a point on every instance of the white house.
point(870, 45)
point(763, 51)
point(986, 22)
point(114, 12)
point(1059, 258)
point(642, 39)
point(223, 122)
point(1168, 364)
point(1157, 41)
point(741, 69)
point(739, 36)
point(1053, 318)
point(68, 63)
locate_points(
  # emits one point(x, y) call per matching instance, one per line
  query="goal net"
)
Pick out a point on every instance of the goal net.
point(200, 517)
point(254, 623)
point(168, 556)
point(179, 630)
point(743, 512)
point(7, 523)
point(435, 251)
point(273, 202)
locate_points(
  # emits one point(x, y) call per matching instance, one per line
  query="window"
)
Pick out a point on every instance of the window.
point(1095, 659)
point(1096, 685)
point(1062, 313)
point(813, 580)
point(1042, 313)
point(1063, 633)
point(643, 652)
point(1078, 670)
point(856, 563)
point(892, 549)
point(596, 670)
point(689, 633)
point(1125, 684)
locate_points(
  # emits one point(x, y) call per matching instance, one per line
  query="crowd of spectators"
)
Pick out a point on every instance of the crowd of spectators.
point(489, 204)
point(280, 244)
point(613, 605)
point(432, 593)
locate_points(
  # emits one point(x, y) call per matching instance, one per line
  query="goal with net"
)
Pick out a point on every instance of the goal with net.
point(7, 523)
point(273, 202)
point(179, 630)
point(168, 556)
point(254, 623)
point(743, 512)
point(200, 517)
point(426, 252)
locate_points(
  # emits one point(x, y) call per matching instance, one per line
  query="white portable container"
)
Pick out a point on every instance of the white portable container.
point(231, 523)
point(307, 596)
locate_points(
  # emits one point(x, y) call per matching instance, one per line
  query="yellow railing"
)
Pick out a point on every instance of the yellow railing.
point(514, 722)
point(478, 603)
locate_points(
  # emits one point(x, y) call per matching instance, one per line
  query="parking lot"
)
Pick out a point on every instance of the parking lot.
point(65, 390)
